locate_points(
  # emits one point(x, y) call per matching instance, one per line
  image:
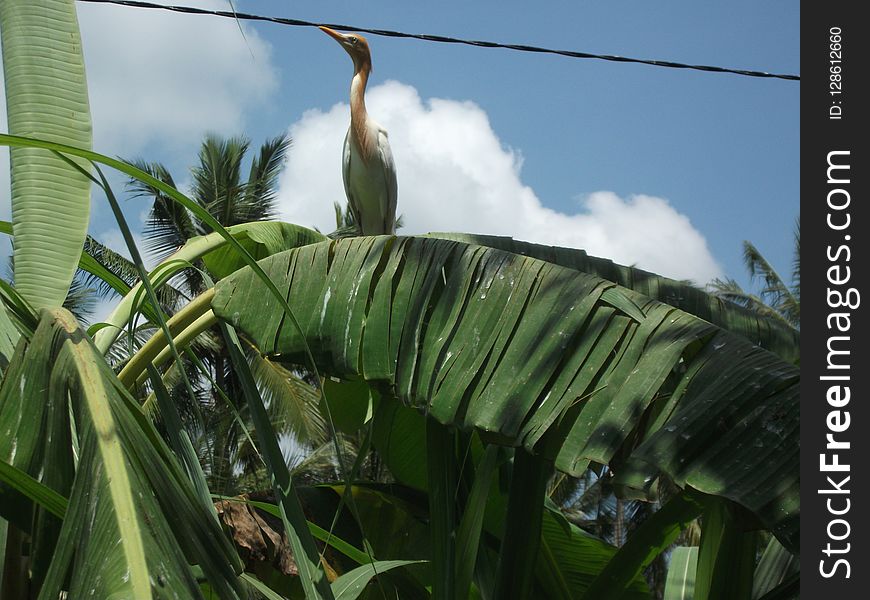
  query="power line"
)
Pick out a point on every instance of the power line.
point(444, 39)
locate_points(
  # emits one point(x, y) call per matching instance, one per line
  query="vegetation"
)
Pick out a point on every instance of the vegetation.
point(473, 391)
point(776, 299)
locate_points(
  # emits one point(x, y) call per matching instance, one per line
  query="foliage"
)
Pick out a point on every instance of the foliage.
point(477, 367)
point(776, 299)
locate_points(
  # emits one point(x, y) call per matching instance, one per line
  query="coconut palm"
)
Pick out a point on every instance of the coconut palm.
point(219, 188)
point(776, 299)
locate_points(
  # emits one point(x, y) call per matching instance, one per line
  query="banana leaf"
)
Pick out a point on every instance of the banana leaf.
point(533, 354)
point(46, 97)
point(770, 334)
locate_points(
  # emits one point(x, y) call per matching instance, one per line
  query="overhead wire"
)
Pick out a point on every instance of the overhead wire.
point(232, 14)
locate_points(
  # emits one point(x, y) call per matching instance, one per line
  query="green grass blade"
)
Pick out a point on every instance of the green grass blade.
point(774, 567)
point(261, 238)
point(178, 438)
point(168, 408)
point(202, 214)
point(9, 336)
point(353, 583)
point(264, 590)
point(305, 552)
point(789, 589)
point(18, 309)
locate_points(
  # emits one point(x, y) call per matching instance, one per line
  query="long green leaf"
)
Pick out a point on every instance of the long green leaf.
point(47, 97)
point(260, 239)
point(208, 219)
point(305, 552)
point(442, 476)
point(768, 333)
point(569, 562)
point(519, 549)
point(352, 584)
point(471, 523)
point(680, 583)
point(774, 567)
point(726, 556)
point(30, 487)
point(789, 589)
point(262, 589)
point(8, 338)
point(649, 540)
point(177, 435)
point(127, 485)
point(530, 353)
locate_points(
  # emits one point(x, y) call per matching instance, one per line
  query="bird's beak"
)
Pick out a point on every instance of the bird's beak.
point(334, 35)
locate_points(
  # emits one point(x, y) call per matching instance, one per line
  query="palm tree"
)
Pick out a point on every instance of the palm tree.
point(218, 188)
point(212, 415)
point(776, 298)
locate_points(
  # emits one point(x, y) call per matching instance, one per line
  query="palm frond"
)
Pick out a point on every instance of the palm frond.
point(80, 300)
point(169, 225)
point(728, 289)
point(117, 264)
point(320, 463)
point(262, 186)
point(293, 403)
point(217, 184)
point(775, 290)
point(796, 272)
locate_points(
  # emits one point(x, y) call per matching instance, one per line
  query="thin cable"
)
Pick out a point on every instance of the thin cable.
point(444, 39)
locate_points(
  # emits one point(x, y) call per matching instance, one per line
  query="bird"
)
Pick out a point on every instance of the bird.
point(368, 169)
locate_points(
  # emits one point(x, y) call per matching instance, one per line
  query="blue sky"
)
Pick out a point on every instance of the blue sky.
point(667, 169)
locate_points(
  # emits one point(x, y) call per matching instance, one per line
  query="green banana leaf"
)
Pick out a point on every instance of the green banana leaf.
point(770, 334)
point(259, 238)
point(132, 526)
point(530, 353)
point(46, 97)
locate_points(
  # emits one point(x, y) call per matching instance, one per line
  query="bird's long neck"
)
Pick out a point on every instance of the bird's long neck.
point(358, 114)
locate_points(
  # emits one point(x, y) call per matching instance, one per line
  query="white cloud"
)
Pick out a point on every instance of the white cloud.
point(162, 76)
point(455, 175)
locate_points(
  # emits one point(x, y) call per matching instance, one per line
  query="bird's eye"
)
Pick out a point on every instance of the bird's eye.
point(353, 40)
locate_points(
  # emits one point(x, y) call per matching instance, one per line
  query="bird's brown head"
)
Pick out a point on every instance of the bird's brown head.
point(355, 45)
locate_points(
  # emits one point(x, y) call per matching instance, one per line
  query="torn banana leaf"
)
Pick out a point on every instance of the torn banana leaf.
point(533, 354)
